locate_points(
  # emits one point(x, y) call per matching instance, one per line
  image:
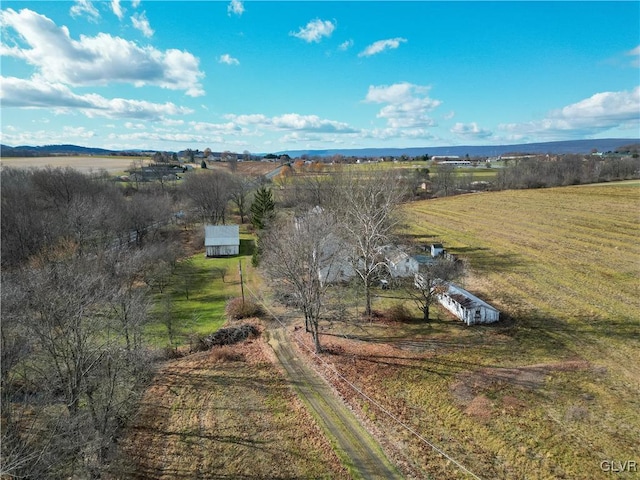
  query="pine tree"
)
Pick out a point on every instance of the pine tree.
point(262, 208)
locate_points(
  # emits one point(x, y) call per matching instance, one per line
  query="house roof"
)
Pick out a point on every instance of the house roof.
point(215, 235)
point(466, 299)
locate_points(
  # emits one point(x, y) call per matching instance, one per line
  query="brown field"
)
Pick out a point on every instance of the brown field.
point(225, 413)
point(120, 164)
point(81, 163)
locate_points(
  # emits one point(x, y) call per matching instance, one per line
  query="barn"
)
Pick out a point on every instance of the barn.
point(467, 307)
point(221, 240)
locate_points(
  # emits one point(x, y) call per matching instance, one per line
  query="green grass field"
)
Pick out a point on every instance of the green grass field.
point(554, 388)
point(198, 294)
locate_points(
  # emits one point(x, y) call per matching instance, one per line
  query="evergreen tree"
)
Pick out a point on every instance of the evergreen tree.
point(262, 208)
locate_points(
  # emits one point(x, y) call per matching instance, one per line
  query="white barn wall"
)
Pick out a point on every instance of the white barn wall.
point(221, 240)
point(467, 307)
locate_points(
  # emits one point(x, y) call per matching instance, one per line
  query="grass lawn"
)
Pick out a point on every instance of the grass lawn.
point(198, 294)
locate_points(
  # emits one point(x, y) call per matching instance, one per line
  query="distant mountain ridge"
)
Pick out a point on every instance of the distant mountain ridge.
point(559, 147)
point(45, 150)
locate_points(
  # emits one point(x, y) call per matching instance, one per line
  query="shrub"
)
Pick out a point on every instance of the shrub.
point(398, 313)
point(224, 336)
point(236, 309)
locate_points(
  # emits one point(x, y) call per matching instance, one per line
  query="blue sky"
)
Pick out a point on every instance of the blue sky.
point(265, 76)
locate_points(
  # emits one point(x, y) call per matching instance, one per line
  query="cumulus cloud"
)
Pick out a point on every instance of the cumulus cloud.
point(315, 30)
point(37, 93)
point(381, 46)
point(407, 104)
point(601, 112)
point(44, 137)
point(228, 59)
point(292, 121)
point(140, 22)
point(84, 7)
point(470, 130)
point(97, 60)
point(235, 7)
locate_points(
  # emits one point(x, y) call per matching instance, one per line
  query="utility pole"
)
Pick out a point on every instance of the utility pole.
point(241, 282)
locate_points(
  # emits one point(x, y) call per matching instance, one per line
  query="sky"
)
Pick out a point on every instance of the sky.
point(263, 76)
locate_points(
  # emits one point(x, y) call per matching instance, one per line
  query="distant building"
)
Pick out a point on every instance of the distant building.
point(467, 307)
point(221, 240)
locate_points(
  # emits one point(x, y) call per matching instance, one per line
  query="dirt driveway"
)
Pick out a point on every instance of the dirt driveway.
point(360, 452)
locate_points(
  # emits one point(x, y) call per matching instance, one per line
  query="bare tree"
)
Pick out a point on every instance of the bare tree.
point(241, 188)
point(432, 280)
point(209, 194)
point(367, 207)
point(298, 255)
point(444, 180)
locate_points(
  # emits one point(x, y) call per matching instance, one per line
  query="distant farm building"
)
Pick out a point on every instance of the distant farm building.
point(221, 240)
point(467, 307)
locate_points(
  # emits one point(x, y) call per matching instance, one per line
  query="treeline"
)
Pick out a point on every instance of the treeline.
point(567, 170)
point(535, 173)
point(83, 261)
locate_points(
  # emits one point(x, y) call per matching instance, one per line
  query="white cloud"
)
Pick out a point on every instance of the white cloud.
point(97, 60)
point(37, 93)
point(44, 137)
point(293, 122)
point(450, 115)
point(84, 7)
point(134, 126)
point(117, 9)
point(346, 45)
point(140, 22)
point(600, 112)
point(470, 130)
point(228, 59)
point(382, 45)
point(407, 104)
point(135, 3)
point(235, 7)
point(315, 30)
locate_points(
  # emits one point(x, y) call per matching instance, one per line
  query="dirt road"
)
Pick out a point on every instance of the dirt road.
point(360, 452)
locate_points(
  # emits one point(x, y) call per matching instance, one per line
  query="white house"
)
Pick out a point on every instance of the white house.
point(400, 264)
point(221, 240)
point(467, 307)
point(335, 264)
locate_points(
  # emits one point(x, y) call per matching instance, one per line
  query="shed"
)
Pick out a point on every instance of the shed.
point(221, 240)
point(436, 249)
point(467, 307)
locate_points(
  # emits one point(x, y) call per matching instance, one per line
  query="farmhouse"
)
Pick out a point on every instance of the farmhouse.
point(467, 307)
point(221, 240)
point(400, 264)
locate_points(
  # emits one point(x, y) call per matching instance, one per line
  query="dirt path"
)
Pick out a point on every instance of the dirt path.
point(360, 452)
